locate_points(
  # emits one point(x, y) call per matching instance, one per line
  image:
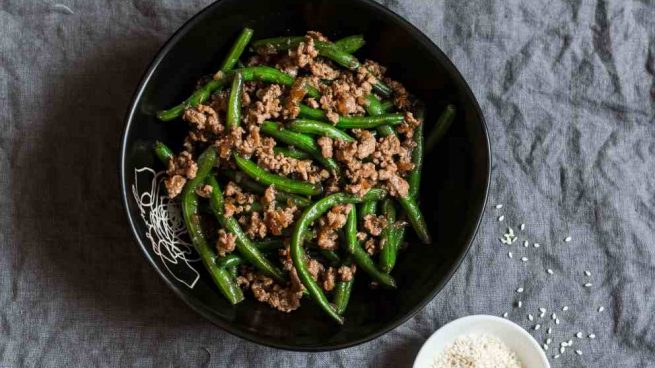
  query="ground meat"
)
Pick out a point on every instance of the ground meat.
point(366, 143)
point(315, 268)
point(326, 146)
point(296, 95)
point(323, 70)
point(304, 53)
point(236, 200)
point(174, 185)
point(401, 96)
point(329, 279)
point(204, 191)
point(374, 68)
point(267, 105)
point(286, 166)
point(268, 291)
point(311, 102)
point(183, 164)
point(361, 236)
point(317, 36)
point(329, 223)
point(226, 242)
point(256, 226)
point(203, 117)
point(346, 273)
point(397, 186)
point(344, 96)
point(226, 143)
point(371, 246)
point(268, 200)
point(374, 224)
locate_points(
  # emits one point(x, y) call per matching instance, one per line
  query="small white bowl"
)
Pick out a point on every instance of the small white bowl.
point(514, 336)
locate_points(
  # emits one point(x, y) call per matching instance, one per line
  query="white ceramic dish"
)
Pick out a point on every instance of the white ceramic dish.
point(514, 336)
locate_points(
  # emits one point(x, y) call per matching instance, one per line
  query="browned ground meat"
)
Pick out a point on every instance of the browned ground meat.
point(204, 191)
point(371, 246)
point(346, 273)
point(226, 242)
point(374, 224)
point(330, 223)
point(285, 299)
point(326, 146)
point(329, 279)
point(180, 169)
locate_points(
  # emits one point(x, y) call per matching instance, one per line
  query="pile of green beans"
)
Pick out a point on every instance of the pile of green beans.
point(299, 137)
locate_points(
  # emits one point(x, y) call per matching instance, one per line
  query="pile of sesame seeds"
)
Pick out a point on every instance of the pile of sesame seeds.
point(538, 319)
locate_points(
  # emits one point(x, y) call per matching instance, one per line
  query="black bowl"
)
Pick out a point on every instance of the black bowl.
point(454, 185)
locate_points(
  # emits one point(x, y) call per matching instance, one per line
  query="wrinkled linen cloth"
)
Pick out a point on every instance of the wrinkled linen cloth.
point(567, 88)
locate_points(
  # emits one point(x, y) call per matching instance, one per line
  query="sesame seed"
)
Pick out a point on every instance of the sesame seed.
point(553, 316)
point(568, 239)
point(570, 343)
point(537, 326)
point(549, 340)
point(542, 314)
point(505, 315)
point(530, 317)
point(526, 243)
point(542, 310)
point(524, 259)
point(565, 308)
point(587, 273)
point(555, 356)
point(591, 336)
point(519, 304)
point(578, 352)
point(550, 272)
point(545, 347)
point(562, 350)
point(519, 290)
point(600, 309)
point(522, 226)
point(589, 284)
point(499, 206)
point(501, 218)
point(509, 254)
point(537, 245)
point(557, 321)
point(549, 330)
point(510, 231)
point(578, 335)
point(562, 344)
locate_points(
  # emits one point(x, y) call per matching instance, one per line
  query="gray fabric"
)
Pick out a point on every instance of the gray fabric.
point(568, 92)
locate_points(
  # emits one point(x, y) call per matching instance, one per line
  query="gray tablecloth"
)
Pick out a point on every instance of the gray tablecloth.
point(568, 91)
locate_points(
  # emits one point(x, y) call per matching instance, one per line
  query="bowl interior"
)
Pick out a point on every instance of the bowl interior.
point(455, 175)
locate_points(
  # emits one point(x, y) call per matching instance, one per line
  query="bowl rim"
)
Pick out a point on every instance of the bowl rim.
point(479, 318)
point(206, 312)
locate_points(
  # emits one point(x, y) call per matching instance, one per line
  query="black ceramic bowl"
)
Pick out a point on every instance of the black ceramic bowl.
point(453, 189)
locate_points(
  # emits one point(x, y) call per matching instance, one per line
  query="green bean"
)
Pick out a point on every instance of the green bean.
point(319, 128)
point(243, 244)
point(362, 259)
point(367, 208)
point(291, 152)
point(233, 118)
point(343, 290)
point(388, 237)
point(374, 108)
point(301, 141)
point(253, 186)
point(221, 277)
point(440, 128)
point(416, 218)
point(233, 271)
point(386, 106)
point(164, 154)
point(268, 245)
point(279, 43)
point(414, 176)
point(352, 122)
point(253, 73)
point(281, 183)
point(309, 215)
point(331, 256)
point(350, 44)
point(229, 260)
point(237, 49)
point(337, 55)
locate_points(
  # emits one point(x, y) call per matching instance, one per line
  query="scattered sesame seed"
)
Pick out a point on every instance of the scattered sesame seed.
point(589, 284)
point(537, 326)
point(600, 309)
point(537, 245)
point(501, 218)
point(524, 259)
point(522, 226)
point(519, 304)
point(542, 310)
point(578, 335)
point(550, 272)
point(509, 254)
point(555, 356)
point(549, 330)
point(578, 352)
point(565, 308)
point(526, 243)
point(568, 239)
point(545, 346)
point(587, 273)
point(519, 290)
point(562, 350)
point(542, 314)
point(499, 206)
point(591, 336)
point(570, 343)
point(563, 344)
point(557, 321)
point(553, 316)
point(505, 315)
point(530, 317)
point(510, 231)
point(549, 340)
